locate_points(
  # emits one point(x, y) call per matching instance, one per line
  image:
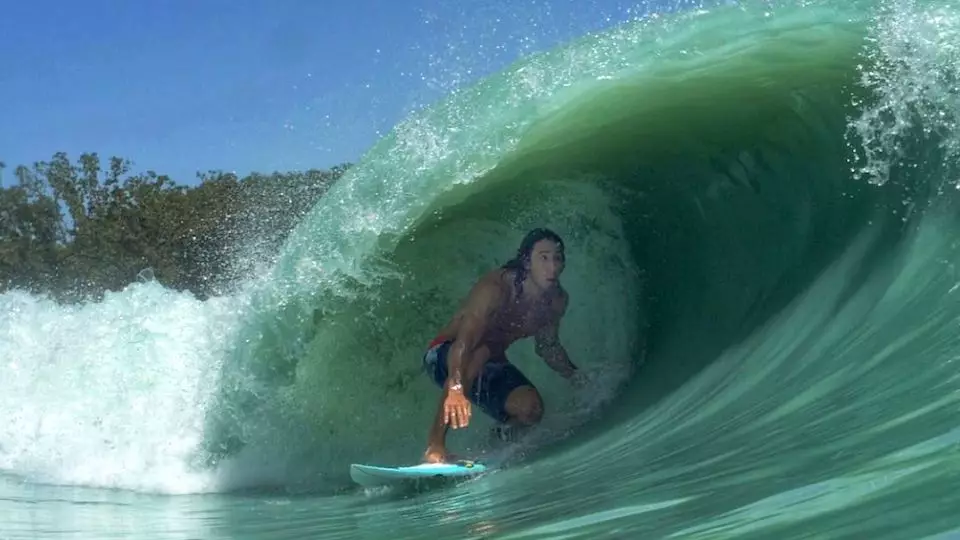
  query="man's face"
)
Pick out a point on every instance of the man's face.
point(546, 263)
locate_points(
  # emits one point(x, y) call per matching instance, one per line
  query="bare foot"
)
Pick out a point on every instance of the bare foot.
point(435, 454)
point(439, 455)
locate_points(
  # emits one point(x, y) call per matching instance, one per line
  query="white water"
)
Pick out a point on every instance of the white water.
point(110, 394)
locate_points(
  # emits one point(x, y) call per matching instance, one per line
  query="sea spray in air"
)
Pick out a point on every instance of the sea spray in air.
point(911, 119)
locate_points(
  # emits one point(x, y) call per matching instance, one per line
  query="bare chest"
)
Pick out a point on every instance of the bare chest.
point(520, 320)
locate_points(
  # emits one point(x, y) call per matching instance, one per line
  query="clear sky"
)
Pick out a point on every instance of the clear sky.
point(182, 86)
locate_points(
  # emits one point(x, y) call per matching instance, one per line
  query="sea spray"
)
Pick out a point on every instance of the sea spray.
point(911, 119)
point(110, 394)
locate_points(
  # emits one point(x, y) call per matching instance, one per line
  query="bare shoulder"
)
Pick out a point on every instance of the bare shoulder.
point(496, 282)
point(488, 293)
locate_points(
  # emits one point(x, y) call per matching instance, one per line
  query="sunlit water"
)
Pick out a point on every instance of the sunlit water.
point(758, 205)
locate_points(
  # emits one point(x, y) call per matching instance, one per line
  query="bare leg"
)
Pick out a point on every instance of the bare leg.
point(525, 409)
point(525, 406)
point(436, 444)
point(436, 440)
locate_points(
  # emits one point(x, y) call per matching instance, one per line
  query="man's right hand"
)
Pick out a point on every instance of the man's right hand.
point(456, 409)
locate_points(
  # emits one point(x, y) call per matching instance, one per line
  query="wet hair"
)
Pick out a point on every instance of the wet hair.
point(525, 251)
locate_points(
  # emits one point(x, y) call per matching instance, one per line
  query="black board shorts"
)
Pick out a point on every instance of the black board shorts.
point(491, 387)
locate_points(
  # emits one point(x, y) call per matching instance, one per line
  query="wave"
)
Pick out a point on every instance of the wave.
point(697, 186)
point(704, 168)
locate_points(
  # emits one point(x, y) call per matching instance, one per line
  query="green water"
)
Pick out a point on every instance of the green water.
point(758, 207)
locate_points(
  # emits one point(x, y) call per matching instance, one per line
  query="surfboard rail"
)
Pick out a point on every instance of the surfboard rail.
point(380, 475)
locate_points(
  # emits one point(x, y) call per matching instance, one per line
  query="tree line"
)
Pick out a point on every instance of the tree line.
point(74, 230)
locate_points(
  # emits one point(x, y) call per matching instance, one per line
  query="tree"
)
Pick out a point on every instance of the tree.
point(75, 230)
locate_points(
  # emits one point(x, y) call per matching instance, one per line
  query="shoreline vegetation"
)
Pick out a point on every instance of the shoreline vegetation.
point(75, 230)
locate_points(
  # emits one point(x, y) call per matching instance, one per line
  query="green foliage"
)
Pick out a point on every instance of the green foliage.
point(76, 230)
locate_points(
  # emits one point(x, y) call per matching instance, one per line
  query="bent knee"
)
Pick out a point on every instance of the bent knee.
point(525, 405)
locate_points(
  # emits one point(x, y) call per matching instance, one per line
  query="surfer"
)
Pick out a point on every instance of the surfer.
point(468, 360)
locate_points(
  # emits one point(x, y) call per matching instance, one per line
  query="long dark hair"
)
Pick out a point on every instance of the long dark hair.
point(524, 252)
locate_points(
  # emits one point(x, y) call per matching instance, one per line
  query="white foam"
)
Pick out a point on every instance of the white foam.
point(109, 394)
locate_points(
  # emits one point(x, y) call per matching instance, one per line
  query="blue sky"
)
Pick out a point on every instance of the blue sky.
point(184, 86)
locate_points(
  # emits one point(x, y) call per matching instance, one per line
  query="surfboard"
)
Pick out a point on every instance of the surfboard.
point(377, 476)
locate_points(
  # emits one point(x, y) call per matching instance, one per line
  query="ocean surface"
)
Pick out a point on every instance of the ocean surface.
point(760, 210)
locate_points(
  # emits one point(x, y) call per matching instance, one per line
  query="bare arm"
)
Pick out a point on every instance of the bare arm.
point(548, 344)
point(481, 304)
